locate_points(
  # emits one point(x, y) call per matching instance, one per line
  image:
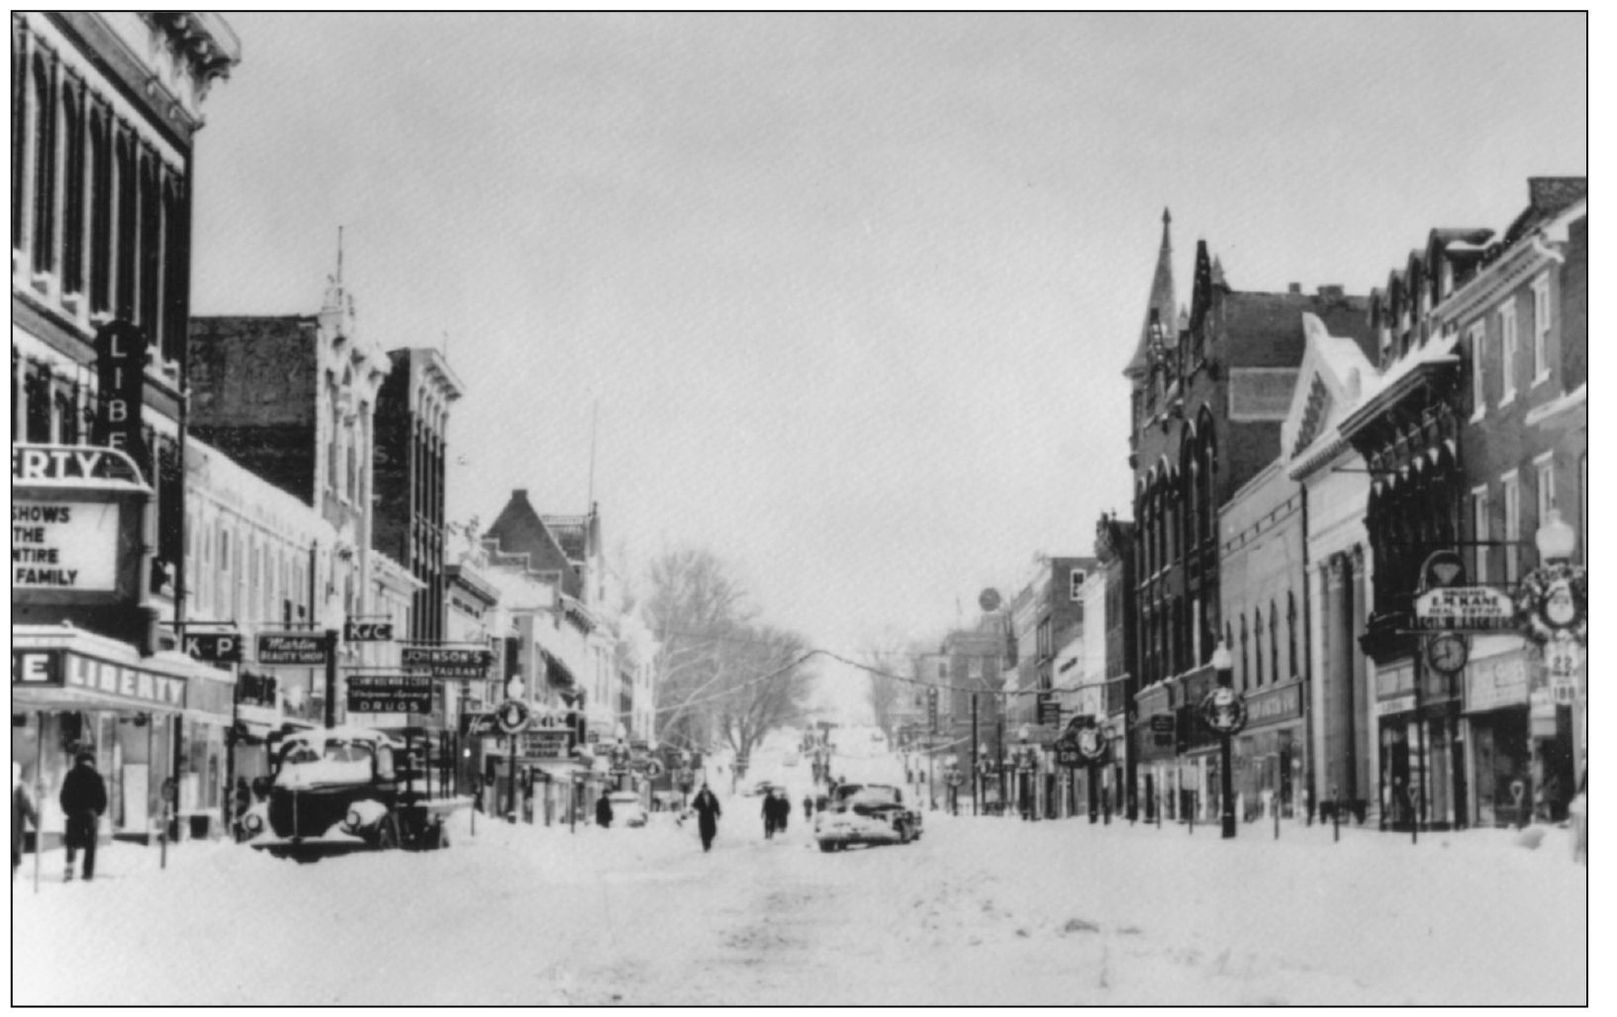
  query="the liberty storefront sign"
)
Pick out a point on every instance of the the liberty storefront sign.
point(65, 669)
point(1272, 706)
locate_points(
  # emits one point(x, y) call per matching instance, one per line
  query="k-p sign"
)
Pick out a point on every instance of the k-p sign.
point(214, 647)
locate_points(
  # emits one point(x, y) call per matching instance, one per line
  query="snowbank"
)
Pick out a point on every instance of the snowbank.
point(981, 910)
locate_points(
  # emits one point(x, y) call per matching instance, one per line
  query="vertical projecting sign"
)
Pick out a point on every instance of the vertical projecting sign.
point(120, 364)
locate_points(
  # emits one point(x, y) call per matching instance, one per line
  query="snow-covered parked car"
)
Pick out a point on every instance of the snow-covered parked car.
point(345, 789)
point(866, 814)
point(627, 809)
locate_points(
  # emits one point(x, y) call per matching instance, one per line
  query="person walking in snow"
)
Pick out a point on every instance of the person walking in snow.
point(783, 812)
point(706, 807)
point(83, 799)
point(603, 810)
point(808, 808)
point(769, 814)
point(22, 811)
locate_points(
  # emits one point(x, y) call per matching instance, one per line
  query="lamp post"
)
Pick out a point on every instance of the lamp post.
point(984, 767)
point(1224, 710)
point(1552, 607)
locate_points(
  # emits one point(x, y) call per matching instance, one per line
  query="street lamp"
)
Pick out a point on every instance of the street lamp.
point(1552, 608)
point(1224, 711)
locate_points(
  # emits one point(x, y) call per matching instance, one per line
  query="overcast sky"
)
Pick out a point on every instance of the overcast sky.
point(853, 293)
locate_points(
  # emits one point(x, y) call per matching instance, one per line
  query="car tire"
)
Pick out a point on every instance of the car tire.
point(827, 846)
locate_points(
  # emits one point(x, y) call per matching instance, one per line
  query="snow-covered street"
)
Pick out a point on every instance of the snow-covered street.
point(979, 910)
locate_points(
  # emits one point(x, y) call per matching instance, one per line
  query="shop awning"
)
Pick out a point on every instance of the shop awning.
point(62, 668)
point(556, 672)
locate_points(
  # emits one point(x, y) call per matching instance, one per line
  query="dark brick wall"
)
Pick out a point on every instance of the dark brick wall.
point(253, 395)
point(1575, 307)
point(390, 467)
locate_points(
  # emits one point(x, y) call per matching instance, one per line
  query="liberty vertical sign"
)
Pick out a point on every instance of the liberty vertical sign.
point(120, 364)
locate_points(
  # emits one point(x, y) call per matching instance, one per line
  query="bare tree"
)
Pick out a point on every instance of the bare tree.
point(768, 687)
point(692, 606)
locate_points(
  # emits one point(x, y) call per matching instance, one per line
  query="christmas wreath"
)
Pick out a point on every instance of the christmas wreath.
point(1554, 599)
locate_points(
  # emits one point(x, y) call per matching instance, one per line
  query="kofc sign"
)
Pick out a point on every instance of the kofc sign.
point(1465, 609)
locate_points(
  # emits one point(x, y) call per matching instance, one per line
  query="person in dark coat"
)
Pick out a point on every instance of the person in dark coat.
point(22, 811)
point(706, 807)
point(603, 810)
point(83, 799)
point(783, 812)
point(769, 813)
point(808, 808)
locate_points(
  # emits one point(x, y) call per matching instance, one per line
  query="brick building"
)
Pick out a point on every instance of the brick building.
point(1210, 390)
point(411, 453)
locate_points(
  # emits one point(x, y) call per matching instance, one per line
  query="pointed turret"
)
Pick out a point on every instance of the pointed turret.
point(1159, 307)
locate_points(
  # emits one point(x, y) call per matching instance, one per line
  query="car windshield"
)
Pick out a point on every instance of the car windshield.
point(326, 760)
point(866, 794)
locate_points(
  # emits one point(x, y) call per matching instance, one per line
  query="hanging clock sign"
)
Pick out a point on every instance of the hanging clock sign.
point(1447, 653)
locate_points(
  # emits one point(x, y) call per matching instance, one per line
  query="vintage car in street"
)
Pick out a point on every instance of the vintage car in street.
point(627, 809)
point(342, 789)
point(866, 814)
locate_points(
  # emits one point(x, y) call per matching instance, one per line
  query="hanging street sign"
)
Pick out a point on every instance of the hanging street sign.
point(306, 649)
point(213, 647)
point(389, 693)
point(1465, 609)
point(355, 631)
point(448, 661)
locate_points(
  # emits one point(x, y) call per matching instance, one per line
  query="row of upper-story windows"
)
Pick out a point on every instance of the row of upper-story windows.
point(1258, 651)
point(1510, 350)
point(242, 572)
point(98, 224)
point(1501, 534)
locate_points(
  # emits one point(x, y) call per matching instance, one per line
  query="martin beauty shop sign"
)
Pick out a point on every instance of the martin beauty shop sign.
point(78, 529)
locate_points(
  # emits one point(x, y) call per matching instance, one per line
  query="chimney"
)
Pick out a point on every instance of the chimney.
point(1331, 292)
point(1296, 289)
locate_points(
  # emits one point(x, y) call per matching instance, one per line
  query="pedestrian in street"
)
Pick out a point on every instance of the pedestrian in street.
point(706, 807)
point(83, 799)
point(22, 810)
point(783, 812)
point(808, 808)
point(769, 814)
point(1579, 811)
point(603, 810)
point(241, 801)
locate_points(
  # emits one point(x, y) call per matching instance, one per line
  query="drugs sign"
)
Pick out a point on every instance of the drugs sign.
point(389, 693)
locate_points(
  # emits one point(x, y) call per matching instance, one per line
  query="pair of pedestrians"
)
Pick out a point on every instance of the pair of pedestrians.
point(777, 811)
point(83, 800)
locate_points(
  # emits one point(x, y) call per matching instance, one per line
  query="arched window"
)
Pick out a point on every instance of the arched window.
point(73, 194)
point(1291, 630)
point(151, 246)
point(1274, 644)
point(1246, 672)
point(1257, 646)
point(44, 152)
point(126, 256)
point(176, 263)
point(100, 170)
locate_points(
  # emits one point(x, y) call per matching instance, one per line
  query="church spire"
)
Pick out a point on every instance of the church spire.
point(1160, 306)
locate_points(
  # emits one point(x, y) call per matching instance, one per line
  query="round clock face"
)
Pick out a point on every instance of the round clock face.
point(1447, 653)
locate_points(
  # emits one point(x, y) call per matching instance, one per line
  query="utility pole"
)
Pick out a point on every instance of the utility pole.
point(976, 778)
point(331, 677)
